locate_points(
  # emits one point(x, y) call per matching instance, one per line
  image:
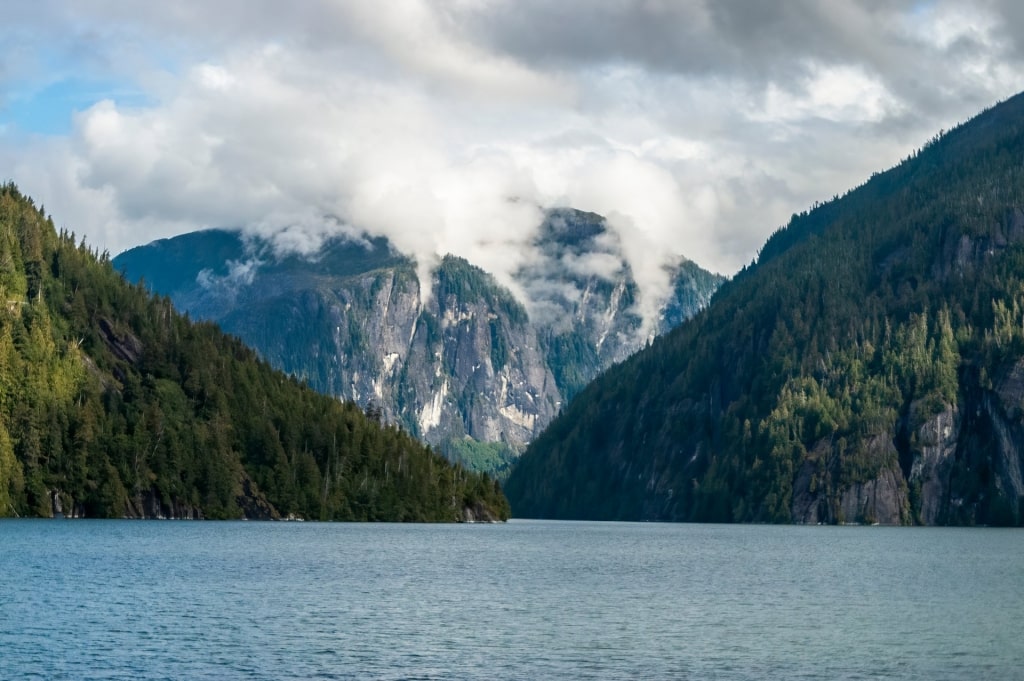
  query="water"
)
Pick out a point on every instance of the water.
point(527, 600)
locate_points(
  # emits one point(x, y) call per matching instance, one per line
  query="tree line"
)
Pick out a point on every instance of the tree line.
point(112, 404)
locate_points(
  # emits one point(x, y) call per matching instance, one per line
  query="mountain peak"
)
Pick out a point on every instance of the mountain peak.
point(114, 405)
point(467, 359)
point(864, 370)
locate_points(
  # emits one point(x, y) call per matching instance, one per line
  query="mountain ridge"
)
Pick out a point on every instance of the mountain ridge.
point(114, 405)
point(466, 366)
point(864, 369)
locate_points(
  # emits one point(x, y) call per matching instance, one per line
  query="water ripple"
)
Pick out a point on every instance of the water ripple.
point(529, 600)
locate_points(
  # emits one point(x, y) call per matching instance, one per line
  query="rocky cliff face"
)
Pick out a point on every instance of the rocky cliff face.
point(461, 361)
point(950, 459)
point(880, 499)
point(932, 463)
point(470, 366)
point(866, 368)
point(464, 362)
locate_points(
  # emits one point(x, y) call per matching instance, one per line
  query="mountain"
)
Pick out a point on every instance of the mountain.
point(114, 405)
point(463, 364)
point(868, 368)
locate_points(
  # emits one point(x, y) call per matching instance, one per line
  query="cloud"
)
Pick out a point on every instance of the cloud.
point(695, 127)
point(240, 273)
point(605, 266)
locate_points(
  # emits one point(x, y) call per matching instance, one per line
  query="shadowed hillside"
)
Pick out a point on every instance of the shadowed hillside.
point(869, 367)
point(112, 404)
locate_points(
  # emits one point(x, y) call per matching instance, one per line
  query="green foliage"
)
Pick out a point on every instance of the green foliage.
point(493, 458)
point(691, 290)
point(861, 319)
point(119, 406)
point(458, 280)
point(323, 318)
point(499, 347)
point(572, 359)
point(11, 482)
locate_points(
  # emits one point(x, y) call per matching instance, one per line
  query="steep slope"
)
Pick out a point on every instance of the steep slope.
point(111, 404)
point(583, 297)
point(869, 367)
point(465, 367)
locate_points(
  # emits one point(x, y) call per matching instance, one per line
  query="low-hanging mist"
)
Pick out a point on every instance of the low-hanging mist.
point(452, 127)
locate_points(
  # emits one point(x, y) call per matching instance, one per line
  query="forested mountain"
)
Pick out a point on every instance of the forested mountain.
point(112, 405)
point(464, 364)
point(868, 368)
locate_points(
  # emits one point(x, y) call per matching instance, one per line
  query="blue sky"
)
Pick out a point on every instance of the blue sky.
point(697, 127)
point(48, 110)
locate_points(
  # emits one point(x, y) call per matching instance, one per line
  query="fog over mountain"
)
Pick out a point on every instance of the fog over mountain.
point(452, 127)
point(455, 358)
point(868, 368)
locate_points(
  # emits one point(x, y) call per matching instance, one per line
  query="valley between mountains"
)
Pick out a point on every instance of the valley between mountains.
point(460, 361)
point(868, 367)
point(113, 405)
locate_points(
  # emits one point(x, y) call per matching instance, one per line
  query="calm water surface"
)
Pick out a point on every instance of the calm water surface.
point(527, 600)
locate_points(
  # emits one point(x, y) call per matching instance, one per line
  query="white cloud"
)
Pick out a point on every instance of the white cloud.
point(942, 25)
point(416, 39)
point(606, 266)
point(696, 128)
point(842, 94)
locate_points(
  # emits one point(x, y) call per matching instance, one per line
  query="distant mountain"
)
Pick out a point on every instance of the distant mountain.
point(464, 365)
point(869, 368)
point(587, 321)
point(114, 405)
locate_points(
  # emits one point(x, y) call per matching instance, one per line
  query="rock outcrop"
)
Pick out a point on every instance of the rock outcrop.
point(945, 454)
point(456, 359)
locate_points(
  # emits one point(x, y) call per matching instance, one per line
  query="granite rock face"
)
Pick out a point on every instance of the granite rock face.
point(453, 358)
point(933, 462)
point(941, 459)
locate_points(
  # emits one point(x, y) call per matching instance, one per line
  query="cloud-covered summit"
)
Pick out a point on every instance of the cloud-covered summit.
point(696, 127)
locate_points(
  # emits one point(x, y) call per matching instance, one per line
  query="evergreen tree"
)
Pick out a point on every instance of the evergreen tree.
point(117, 406)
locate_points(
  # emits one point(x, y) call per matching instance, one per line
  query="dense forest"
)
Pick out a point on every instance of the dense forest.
point(461, 363)
point(869, 367)
point(114, 405)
